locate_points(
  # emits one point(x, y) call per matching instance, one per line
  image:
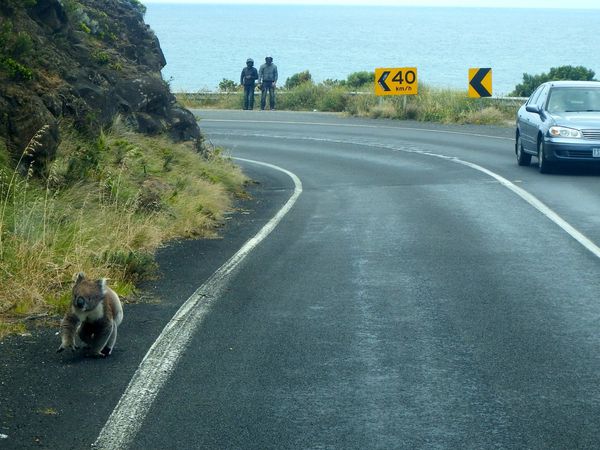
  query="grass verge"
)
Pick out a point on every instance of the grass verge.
point(102, 208)
point(430, 105)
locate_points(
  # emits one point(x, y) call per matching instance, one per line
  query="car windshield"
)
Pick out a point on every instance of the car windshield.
point(570, 99)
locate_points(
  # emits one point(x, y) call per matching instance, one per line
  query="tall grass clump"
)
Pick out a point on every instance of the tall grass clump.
point(103, 207)
point(333, 99)
point(302, 97)
point(434, 105)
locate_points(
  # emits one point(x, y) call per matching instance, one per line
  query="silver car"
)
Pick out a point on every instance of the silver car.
point(560, 123)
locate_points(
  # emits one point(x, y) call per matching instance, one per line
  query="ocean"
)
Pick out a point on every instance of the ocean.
point(204, 44)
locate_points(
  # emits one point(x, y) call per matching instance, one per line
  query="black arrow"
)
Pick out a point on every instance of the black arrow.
point(382, 79)
point(476, 82)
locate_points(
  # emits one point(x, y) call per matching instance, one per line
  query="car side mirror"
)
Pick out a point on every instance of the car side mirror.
point(532, 109)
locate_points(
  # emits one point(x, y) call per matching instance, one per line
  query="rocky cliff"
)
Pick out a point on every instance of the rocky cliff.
point(81, 62)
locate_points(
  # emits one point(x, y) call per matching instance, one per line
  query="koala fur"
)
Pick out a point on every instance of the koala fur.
point(93, 319)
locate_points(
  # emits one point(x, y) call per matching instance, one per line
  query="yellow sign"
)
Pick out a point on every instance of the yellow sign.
point(480, 82)
point(396, 81)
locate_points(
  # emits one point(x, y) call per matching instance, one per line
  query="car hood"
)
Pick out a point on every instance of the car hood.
point(578, 119)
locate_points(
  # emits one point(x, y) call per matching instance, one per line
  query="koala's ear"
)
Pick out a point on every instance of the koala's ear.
point(80, 277)
point(102, 285)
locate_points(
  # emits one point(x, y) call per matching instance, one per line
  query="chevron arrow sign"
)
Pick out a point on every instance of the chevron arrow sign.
point(480, 82)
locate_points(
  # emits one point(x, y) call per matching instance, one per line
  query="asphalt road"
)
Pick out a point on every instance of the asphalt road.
point(408, 299)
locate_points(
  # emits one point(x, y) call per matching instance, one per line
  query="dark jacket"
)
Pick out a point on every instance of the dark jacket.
point(249, 76)
point(268, 72)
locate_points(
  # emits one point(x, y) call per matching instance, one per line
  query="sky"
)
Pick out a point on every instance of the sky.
point(575, 4)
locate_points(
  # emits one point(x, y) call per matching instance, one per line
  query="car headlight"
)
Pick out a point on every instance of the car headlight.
point(564, 132)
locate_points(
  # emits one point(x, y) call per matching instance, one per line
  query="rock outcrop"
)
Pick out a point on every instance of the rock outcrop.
point(84, 61)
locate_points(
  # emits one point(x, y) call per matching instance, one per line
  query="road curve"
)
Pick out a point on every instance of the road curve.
point(413, 296)
point(406, 301)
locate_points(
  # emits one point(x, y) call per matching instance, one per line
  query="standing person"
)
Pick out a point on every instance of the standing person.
point(267, 78)
point(247, 78)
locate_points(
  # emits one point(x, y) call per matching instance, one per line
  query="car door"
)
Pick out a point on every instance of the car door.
point(532, 120)
point(525, 118)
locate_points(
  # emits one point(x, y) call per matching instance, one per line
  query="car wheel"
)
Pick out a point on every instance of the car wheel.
point(523, 159)
point(544, 165)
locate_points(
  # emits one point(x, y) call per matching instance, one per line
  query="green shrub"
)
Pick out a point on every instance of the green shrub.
point(101, 57)
point(333, 83)
point(15, 70)
point(118, 66)
point(5, 36)
point(360, 105)
point(298, 79)
point(83, 27)
point(227, 85)
point(359, 79)
point(303, 97)
point(139, 5)
point(531, 82)
point(11, 5)
point(21, 45)
point(84, 163)
point(14, 49)
point(333, 99)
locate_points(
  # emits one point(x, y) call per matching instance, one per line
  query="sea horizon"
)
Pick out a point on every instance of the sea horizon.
point(205, 43)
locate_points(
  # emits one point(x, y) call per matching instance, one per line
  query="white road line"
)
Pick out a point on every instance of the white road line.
point(529, 198)
point(539, 205)
point(356, 125)
point(160, 361)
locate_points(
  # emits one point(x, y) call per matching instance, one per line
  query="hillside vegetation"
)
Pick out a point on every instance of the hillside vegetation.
point(99, 164)
point(104, 208)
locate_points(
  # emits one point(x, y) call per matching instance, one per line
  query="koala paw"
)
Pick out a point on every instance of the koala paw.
point(73, 347)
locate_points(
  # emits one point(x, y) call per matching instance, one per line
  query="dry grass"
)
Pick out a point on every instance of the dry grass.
point(103, 208)
point(433, 105)
point(489, 115)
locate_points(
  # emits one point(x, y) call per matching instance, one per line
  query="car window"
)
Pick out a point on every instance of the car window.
point(557, 100)
point(593, 100)
point(581, 100)
point(532, 100)
point(541, 100)
point(574, 100)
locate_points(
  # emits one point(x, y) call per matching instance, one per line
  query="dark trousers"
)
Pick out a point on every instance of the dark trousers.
point(249, 96)
point(267, 86)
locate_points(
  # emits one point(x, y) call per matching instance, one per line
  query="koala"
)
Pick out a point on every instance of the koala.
point(93, 318)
